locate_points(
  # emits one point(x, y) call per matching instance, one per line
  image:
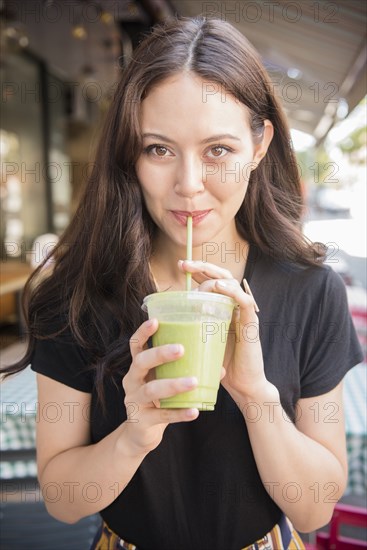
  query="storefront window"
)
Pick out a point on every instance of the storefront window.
point(35, 173)
point(23, 184)
point(59, 166)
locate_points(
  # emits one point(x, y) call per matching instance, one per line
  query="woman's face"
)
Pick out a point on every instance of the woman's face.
point(197, 158)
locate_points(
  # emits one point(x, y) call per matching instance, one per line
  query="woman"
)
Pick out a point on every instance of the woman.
point(194, 128)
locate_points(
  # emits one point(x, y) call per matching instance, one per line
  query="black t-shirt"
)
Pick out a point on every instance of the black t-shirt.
point(200, 488)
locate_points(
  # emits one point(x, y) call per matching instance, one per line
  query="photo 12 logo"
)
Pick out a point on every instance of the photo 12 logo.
point(271, 11)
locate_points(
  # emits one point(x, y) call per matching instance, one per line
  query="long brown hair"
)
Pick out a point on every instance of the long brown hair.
point(101, 265)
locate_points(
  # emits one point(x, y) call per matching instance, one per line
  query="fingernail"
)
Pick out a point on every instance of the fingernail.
point(192, 413)
point(221, 284)
point(150, 323)
point(177, 348)
point(191, 381)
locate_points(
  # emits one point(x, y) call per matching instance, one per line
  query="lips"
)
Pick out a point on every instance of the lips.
point(197, 216)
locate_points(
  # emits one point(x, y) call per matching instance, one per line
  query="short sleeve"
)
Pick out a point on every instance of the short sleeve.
point(334, 348)
point(63, 360)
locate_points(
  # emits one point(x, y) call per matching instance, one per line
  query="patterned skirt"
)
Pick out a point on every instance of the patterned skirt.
point(282, 537)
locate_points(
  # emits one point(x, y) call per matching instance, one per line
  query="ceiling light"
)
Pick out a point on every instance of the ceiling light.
point(79, 32)
point(294, 73)
point(106, 17)
point(343, 108)
point(132, 8)
point(23, 41)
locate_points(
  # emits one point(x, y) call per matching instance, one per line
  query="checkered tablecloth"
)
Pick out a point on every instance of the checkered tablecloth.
point(357, 300)
point(355, 400)
point(18, 404)
point(357, 464)
point(355, 406)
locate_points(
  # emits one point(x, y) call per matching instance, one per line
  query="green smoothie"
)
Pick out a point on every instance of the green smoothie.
point(200, 322)
point(204, 343)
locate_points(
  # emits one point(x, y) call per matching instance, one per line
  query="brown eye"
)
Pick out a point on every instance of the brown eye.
point(160, 151)
point(217, 151)
point(156, 150)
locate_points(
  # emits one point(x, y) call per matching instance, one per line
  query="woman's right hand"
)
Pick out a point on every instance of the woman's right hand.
point(146, 421)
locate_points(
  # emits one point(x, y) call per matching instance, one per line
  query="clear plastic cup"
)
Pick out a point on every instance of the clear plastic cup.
point(200, 322)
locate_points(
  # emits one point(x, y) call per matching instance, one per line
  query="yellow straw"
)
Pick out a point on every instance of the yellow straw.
point(188, 249)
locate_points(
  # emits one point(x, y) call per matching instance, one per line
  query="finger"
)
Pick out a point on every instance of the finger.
point(150, 358)
point(171, 416)
point(246, 303)
point(168, 387)
point(205, 268)
point(232, 288)
point(200, 278)
point(140, 337)
point(211, 285)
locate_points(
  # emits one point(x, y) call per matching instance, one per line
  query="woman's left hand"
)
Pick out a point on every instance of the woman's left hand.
point(243, 360)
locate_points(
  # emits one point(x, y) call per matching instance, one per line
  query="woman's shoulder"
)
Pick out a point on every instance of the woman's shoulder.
point(60, 356)
point(291, 278)
point(294, 268)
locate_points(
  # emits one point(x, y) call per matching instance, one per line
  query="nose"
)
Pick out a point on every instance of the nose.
point(189, 177)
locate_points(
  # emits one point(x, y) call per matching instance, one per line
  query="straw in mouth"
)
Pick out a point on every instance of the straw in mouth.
point(188, 249)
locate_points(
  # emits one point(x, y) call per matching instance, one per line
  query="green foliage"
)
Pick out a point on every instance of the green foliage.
point(355, 141)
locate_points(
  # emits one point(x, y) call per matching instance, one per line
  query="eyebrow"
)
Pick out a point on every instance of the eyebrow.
point(206, 140)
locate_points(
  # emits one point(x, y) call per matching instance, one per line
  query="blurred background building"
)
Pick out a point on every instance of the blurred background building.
point(59, 65)
point(60, 62)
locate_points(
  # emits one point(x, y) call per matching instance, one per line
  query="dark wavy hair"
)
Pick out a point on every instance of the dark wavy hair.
point(101, 267)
